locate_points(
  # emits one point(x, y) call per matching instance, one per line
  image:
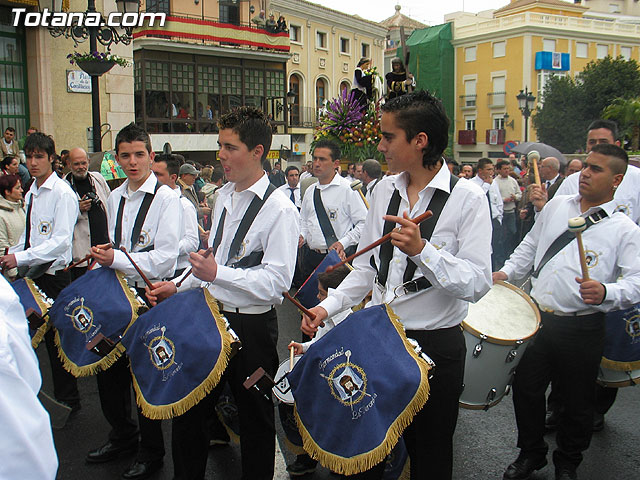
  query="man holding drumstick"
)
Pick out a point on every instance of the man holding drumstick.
point(570, 344)
point(428, 276)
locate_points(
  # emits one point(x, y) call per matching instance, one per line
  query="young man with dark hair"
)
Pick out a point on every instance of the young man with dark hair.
point(292, 188)
point(144, 217)
point(484, 179)
point(569, 346)
point(9, 144)
point(45, 247)
point(332, 213)
point(247, 282)
point(442, 272)
point(510, 193)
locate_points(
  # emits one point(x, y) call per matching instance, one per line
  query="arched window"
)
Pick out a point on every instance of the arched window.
point(344, 85)
point(321, 93)
point(295, 84)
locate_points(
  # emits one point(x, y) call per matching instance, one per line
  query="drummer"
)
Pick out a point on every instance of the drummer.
point(144, 217)
point(445, 272)
point(570, 344)
point(247, 282)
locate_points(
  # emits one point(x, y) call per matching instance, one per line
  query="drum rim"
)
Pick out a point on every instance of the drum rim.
point(505, 341)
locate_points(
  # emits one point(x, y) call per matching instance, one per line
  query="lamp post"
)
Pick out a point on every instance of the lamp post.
point(106, 35)
point(525, 104)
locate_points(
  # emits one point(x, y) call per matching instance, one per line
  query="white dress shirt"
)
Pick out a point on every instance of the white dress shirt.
point(27, 451)
point(286, 189)
point(304, 175)
point(626, 196)
point(611, 247)
point(457, 260)
point(345, 210)
point(53, 216)
point(274, 231)
point(189, 238)
point(497, 205)
point(329, 323)
point(161, 228)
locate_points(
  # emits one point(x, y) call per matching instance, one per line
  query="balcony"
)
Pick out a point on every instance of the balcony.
point(495, 136)
point(303, 117)
point(209, 31)
point(468, 102)
point(467, 137)
point(496, 99)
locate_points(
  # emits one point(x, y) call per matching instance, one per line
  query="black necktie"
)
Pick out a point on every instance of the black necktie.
point(292, 197)
point(548, 184)
point(27, 232)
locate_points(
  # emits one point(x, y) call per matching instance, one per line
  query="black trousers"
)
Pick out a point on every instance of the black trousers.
point(65, 385)
point(310, 260)
point(567, 349)
point(429, 438)
point(190, 435)
point(114, 389)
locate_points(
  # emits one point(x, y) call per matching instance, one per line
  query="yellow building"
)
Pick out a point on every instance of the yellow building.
point(518, 47)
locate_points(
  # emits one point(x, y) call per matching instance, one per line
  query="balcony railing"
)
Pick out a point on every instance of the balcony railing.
point(209, 31)
point(303, 116)
point(496, 99)
point(468, 101)
point(467, 137)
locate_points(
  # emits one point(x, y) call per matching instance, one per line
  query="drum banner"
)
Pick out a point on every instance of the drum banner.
point(31, 297)
point(622, 340)
point(178, 351)
point(98, 302)
point(356, 391)
point(307, 294)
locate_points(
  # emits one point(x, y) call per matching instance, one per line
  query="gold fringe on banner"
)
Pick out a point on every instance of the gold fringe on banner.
point(367, 460)
point(165, 412)
point(44, 308)
point(115, 354)
point(293, 448)
point(620, 366)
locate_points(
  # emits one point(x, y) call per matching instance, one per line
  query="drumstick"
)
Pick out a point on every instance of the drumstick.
point(202, 230)
point(357, 185)
point(534, 156)
point(140, 272)
point(578, 225)
point(206, 253)
point(291, 354)
point(417, 220)
point(106, 246)
point(301, 307)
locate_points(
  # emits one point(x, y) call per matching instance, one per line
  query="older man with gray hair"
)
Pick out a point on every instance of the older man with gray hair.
point(371, 174)
point(550, 175)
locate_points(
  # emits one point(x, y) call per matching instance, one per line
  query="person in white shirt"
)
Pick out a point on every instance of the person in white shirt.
point(27, 451)
point(371, 175)
point(308, 171)
point(292, 188)
point(446, 271)
point(343, 210)
point(45, 246)
point(569, 345)
point(510, 194)
point(166, 167)
point(247, 282)
point(484, 179)
point(143, 203)
point(351, 172)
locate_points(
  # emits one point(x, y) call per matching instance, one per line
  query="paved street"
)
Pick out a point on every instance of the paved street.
point(485, 441)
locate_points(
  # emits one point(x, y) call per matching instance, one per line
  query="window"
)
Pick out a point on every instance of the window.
point(158, 6)
point(294, 108)
point(470, 54)
point(499, 49)
point(229, 12)
point(582, 49)
point(469, 123)
point(469, 94)
point(543, 78)
point(295, 33)
point(498, 93)
point(614, 8)
point(625, 52)
point(498, 122)
point(366, 51)
point(14, 111)
point(602, 51)
point(344, 86)
point(345, 45)
point(548, 45)
point(321, 40)
point(321, 93)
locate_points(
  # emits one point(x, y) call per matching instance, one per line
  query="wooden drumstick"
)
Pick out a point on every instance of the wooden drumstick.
point(357, 185)
point(417, 220)
point(533, 156)
point(301, 307)
point(577, 225)
point(206, 253)
point(140, 272)
point(106, 246)
point(291, 355)
point(202, 230)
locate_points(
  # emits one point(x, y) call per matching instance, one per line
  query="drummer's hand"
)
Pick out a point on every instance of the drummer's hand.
point(495, 276)
point(407, 237)
point(339, 249)
point(297, 348)
point(204, 268)
point(8, 261)
point(538, 196)
point(311, 327)
point(160, 291)
point(204, 237)
point(592, 292)
point(103, 256)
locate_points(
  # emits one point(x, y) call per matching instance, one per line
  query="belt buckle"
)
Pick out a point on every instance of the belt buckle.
point(595, 217)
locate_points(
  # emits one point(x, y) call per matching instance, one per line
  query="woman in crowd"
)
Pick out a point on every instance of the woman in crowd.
point(12, 214)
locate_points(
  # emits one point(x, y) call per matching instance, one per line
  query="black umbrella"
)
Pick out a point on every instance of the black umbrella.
point(542, 148)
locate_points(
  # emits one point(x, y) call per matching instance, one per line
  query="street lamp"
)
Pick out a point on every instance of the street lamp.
point(106, 35)
point(525, 104)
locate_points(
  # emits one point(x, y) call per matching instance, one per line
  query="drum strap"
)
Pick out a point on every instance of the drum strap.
point(437, 203)
point(137, 226)
point(246, 222)
point(564, 240)
point(325, 224)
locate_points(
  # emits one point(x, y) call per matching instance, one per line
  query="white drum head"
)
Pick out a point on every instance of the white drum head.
point(282, 390)
point(505, 313)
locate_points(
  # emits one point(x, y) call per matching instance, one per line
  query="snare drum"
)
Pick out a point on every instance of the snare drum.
point(620, 366)
point(497, 330)
point(36, 305)
point(282, 390)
